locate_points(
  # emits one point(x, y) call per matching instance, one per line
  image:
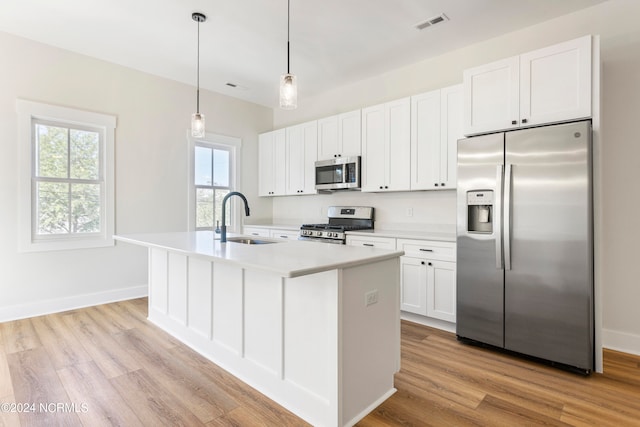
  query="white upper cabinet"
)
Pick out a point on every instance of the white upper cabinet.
point(556, 82)
point(436, 126)
point(386, 146)
point(271, 161)
point(339, 136)
point(301, 155)
point(548, 85)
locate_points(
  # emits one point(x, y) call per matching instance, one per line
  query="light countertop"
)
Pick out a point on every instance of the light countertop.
point(286, 258)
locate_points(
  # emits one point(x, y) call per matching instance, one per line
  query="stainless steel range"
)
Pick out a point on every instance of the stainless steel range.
point(341, 219)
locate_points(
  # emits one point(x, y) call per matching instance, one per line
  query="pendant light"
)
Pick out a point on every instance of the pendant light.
point(288, 82)
point(197, 119)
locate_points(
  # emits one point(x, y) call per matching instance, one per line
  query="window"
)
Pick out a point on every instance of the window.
point(66, 185)
point(213, 177)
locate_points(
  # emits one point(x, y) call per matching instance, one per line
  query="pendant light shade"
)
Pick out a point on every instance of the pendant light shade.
point(197, 119)
point(288, 92)
point(288, 81)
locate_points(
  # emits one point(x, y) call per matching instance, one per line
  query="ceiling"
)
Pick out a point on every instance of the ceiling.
point(333, 42)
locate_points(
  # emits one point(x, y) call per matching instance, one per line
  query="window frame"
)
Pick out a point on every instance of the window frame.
point(30, 113)
point(214, 141)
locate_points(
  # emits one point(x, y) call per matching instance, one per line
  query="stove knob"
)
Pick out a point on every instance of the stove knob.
point(319, 233)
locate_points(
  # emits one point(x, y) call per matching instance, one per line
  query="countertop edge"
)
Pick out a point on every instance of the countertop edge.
point(386, 255)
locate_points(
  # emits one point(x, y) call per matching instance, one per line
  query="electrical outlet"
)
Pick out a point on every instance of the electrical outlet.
point(409, 211)
point(371, 297)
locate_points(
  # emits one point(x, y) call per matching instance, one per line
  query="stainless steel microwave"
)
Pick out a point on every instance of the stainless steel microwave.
point(341, 173)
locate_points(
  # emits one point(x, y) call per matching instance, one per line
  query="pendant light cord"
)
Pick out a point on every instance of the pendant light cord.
point(288, 19)
point(198, 74)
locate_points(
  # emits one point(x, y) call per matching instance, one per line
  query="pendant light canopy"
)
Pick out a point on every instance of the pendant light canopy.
point(197, 119)
point(288, 81)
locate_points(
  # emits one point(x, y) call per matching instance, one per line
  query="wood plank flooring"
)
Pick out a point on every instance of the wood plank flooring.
point(107, 365)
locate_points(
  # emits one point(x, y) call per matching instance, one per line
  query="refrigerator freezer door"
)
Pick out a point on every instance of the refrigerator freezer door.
point(549, 288)
point(480, 276)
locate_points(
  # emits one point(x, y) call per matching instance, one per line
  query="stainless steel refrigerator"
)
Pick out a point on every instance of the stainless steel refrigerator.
point(525, 242)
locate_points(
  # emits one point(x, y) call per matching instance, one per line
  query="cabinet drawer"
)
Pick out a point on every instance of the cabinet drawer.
point(284, 234)
point(443, 251)
point(376, 242)
point(255, 231)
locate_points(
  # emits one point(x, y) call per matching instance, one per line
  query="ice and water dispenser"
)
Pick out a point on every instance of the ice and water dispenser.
point(480, 211)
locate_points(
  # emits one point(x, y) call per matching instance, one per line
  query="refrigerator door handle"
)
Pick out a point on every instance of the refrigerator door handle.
point(497, 216)
point(507, 216)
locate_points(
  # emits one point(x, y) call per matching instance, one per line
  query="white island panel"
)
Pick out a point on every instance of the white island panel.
point(227, 307)
point(200, 296)
point(263, 320)
point(158, 293)
point(177, 287)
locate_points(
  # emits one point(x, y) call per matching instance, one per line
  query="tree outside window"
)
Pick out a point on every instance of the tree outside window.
point(67, 190)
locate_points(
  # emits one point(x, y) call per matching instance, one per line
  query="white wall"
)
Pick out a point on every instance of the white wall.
point(153, 115)
point(616, 165)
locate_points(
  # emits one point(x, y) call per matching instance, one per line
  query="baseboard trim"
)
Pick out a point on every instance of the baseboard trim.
point(621, 341)
point(428, 321)
point(57, 305)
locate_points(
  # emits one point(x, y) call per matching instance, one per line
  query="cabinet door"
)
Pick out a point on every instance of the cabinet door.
point(425, 140)
point(491, 96)
point(279, 162)
point(413, 288)
point(265, 164)
point(310, 141)
point(349, 134)
point(398, 145)
point(373, 148)
point(301, 152)
point(450, 133)
point(328, 138)
point(441, 290)
point(555, 82)
point(295, 160)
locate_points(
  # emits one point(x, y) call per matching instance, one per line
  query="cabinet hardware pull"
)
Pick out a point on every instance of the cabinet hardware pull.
point(436, 184)
point(367, 244)
point(254, 234)
point(426, 250)
point(285, 237)
point(386, 186)
point(422, 262)
point(514, 122)
point(442, 184)
point(524, 120)
point(430, 264)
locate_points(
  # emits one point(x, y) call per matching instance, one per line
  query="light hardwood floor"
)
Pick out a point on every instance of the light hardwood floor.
point(107, 365)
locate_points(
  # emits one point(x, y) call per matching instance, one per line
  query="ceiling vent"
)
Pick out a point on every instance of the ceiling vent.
point(431, 21)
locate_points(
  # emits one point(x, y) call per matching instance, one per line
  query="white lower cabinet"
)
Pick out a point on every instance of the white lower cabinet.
point(428, 282)
point(441, 290)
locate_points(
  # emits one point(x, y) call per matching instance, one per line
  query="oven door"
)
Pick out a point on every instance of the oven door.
point(342, 173)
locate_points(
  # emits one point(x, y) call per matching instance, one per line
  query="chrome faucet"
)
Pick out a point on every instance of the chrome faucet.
point(223, 228)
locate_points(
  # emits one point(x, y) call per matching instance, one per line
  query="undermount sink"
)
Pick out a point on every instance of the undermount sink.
point(249, 241)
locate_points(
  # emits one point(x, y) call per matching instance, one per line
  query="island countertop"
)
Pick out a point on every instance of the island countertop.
point(286, 258)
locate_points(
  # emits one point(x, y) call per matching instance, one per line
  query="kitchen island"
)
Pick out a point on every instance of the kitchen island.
point(313, 326)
